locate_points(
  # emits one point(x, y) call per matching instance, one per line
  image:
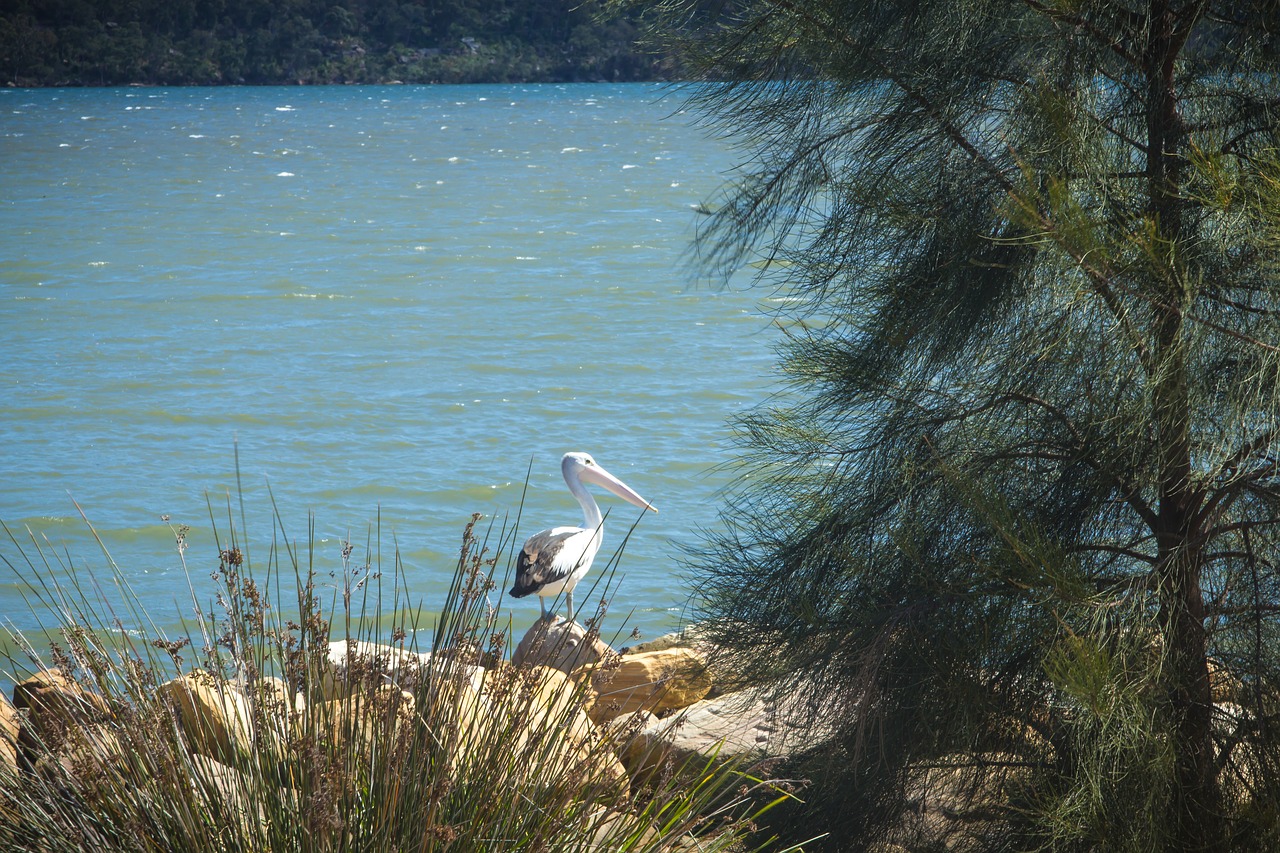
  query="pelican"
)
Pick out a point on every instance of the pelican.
point(553, 561)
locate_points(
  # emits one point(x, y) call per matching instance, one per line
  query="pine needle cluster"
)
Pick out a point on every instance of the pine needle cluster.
point(1016, 511)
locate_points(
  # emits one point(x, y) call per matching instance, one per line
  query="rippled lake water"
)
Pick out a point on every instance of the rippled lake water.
point(391, 300)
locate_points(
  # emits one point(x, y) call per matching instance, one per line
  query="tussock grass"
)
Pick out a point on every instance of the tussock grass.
point(400, 744)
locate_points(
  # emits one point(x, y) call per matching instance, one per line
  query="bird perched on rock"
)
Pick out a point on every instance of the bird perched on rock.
point(554, 560)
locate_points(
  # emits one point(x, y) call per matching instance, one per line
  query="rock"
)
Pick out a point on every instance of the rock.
point(222, 789)
point(87, 754)
point(10, 724)
point(563, 645)
point(280, 713)
point(55, 705)
point(65, 733)
point(51, 693)
point(689, 638)
point(1224, 687)
point(556, 695)
point(360, 662)
point(354, 662)
point(275, 698)
point(746, 727)
point(455, 707)
point(692, 637)
point(657, 644)
point(630, 737)
point(456, 684)
point(466, 719)
point(576, 747)
point(226, 793)
point(52, 690)
point(376, 720)
point(527, 726)
point(212, 714)
point(611, 830)
point(952, 800)
point(655, 681)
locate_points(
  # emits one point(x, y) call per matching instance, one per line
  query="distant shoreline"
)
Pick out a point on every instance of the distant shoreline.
point(19, 84)
point(455, 77)
point(66, 44)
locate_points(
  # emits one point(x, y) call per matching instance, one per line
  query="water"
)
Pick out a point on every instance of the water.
point(391, 300)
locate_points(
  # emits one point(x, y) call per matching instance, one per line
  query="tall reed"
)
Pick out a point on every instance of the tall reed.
point(402, 744)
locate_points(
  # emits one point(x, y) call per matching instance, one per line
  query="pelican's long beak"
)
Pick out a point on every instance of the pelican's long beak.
point(601, 477)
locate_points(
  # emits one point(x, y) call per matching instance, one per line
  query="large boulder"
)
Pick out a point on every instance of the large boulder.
point(575, 747)
point(360, 662)
point(86, 755)
point(53, 693)
point(689, 637)
point(276, 699)
point(213, 715)
point(953, 800)
point(1224, 686)
point(224, 790)
point(559, 644)
point(609, 829)
point(370, 720)
point(56, 706)
point(744, 727)
point(10, 725)
point(528, 726)
point(235, 802)
point(655, 681)
point(280, 712)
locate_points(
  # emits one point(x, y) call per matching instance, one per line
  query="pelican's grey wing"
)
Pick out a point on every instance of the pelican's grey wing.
point(541, 561)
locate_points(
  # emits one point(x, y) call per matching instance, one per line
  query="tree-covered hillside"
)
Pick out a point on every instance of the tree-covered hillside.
point(205, 42)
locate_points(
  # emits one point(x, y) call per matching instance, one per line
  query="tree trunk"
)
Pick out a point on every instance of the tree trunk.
point(1196, 820)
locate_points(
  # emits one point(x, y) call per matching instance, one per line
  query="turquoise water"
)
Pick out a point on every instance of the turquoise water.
point(391, 300)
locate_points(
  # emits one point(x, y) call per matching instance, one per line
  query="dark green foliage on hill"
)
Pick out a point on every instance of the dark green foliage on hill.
point(209, 42)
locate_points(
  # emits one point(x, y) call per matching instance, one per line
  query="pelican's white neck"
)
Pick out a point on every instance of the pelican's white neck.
point(591, 517)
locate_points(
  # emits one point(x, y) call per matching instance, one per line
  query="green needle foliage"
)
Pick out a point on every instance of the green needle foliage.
point(1016, 515)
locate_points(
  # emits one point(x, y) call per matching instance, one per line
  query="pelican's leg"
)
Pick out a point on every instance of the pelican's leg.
point(542, 602)
point(569, 599)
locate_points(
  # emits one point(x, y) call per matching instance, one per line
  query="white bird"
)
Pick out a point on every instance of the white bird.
point(553, 561)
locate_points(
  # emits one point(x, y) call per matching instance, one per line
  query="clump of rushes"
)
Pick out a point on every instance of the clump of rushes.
point(245, 735)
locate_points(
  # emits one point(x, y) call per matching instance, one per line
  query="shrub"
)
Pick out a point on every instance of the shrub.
point(292, 725)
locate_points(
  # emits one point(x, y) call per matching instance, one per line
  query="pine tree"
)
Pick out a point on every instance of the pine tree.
point(1018, 510)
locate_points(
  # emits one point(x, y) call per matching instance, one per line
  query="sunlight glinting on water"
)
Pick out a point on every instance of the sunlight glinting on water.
point(390, 299)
